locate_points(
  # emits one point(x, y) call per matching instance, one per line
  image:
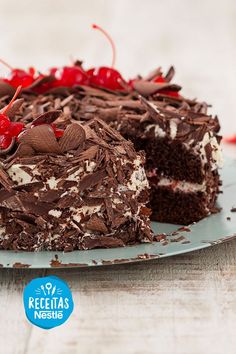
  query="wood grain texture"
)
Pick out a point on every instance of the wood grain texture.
point(183, 304)
point(178, 305)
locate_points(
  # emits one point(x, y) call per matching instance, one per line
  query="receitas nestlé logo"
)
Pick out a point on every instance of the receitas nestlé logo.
point(48, 302)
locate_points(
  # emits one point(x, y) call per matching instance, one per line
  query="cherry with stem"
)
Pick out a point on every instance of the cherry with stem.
point(106, 77)
point(18, 77)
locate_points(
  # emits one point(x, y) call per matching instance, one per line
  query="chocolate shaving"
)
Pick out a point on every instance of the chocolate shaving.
point(88, 154)
point(23, 150)
point(153, 74)
point(5, 180)
point(148, 88)
point(6, 89)
point(9, 148)
point(96, 224)
point(170, 74)
point(91, 180)
point(40, 81)
point(73, 136)
point(47, 118)
point(42, 139)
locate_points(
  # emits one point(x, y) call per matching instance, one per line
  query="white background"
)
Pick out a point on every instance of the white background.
point(198, 37)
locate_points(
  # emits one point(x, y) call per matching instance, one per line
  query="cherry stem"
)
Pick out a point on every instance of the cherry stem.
point(6, 64)
point(111, 42)
point(12, 100)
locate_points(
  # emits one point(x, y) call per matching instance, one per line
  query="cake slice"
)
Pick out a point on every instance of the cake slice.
point(86, 189)
point(183, 157)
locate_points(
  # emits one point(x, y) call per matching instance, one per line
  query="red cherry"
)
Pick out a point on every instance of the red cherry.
point(130, 83)
point(19, 77)
point(53, 71)
point(4, 123)
point(5, 141)
point(58, 132)
point(69, 76)
point(15, 129)
point(159, 79)
point(8, 129)
point(104, 76)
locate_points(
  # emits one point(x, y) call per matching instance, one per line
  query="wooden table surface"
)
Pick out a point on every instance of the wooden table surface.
point(179, 305)
point(183, 304)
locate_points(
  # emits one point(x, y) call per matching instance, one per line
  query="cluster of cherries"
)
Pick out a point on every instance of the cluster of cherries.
point(9, 131)
point(69, 76)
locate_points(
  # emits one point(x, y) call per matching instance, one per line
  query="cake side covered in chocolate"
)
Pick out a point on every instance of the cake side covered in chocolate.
point(87, 189)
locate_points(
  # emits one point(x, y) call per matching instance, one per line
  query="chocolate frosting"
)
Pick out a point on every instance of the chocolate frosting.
point(120, 109)
point(92, 166)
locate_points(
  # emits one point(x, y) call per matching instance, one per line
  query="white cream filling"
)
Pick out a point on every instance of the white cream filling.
point(158, 131)
point(85, 210)
point(138, 180)
point(217, 158)
point(20, 176)
point(55, 213)
point(173, 128)
point(182, 186)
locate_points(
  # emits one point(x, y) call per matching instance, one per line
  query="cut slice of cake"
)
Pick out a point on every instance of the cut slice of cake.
point(183, 157)
point(86, 189)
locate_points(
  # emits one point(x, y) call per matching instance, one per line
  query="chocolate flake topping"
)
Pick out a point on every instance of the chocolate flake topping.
point(41, 138)
point(73, 136)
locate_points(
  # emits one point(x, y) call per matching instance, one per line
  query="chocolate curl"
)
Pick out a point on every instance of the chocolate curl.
point(147, 88)
point(5, 180)
point(6, 89)
point(73, 136)
point(170, 74)
point(8, 149)
point(23, 150)
point(40, 81)
point(42, 139)
point(47, 118)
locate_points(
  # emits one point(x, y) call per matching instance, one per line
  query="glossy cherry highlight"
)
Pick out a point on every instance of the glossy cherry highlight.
point(69, 76)
point(5, 141)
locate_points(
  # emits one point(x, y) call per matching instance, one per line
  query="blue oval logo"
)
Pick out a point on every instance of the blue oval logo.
point(48, 302)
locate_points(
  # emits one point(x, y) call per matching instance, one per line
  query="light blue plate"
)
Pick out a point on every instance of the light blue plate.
point(208, 232)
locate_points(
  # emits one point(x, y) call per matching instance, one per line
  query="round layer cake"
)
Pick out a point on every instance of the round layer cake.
point(84, 190)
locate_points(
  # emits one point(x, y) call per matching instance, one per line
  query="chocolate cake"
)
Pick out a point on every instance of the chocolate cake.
point(179, 137)
point(84, 190)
